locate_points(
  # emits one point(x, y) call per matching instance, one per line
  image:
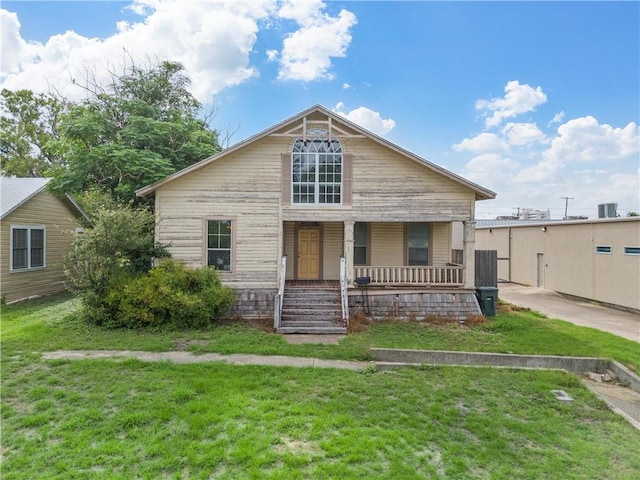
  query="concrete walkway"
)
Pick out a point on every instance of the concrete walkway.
point(188, 357)
point(578, 312)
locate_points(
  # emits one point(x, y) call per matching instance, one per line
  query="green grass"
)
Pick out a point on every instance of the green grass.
point(128, 419)
point(50, 324)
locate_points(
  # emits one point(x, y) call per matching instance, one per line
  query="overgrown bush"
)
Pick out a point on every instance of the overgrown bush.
point(111, 269)
point(172, 295)
point(169, 295)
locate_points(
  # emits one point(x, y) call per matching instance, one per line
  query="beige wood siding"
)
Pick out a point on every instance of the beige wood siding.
point(251, 185)
point(245, 187)
point(332, 246)
point(387, 244)
point(386, 186)
point(44, 209)
point(440, 244)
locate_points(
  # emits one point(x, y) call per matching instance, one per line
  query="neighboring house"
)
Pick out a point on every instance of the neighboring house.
point(320, 202)
point(37, 231)
point(592, 259)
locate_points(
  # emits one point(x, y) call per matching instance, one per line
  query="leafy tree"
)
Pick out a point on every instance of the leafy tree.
point(140, 128)
point(632, 214)
point(28, 132)
point(120, 244)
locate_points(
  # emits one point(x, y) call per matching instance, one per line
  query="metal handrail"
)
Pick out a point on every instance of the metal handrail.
point(279, 299)
point(343, 291)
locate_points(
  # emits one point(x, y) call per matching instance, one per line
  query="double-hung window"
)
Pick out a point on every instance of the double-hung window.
point(316, 169)
point(27, 247)
point(360, 237)
point(219, 244)
point(417, 243)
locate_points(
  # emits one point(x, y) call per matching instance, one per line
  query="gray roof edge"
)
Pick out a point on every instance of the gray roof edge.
point(552, 222)
point(78, 207)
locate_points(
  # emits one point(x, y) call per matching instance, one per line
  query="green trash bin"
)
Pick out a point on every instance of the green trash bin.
point(488, 299)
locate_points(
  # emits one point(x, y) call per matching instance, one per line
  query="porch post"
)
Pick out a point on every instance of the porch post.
point(469, 254)
point(348, 250)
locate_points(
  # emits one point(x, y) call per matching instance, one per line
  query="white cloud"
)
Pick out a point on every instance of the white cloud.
point(346, 86)
point(489, 169)
point(272, 55)
point(518, 99)
point(367, 119)
point(520, 134)
point(557, 118)
point(306, 54)
point(482, 143)
point(15, 50)
point(586, 140)
point(213, 40)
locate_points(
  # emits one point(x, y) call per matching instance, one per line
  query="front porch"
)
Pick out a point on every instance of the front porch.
point(408, 271)
point(390, 254)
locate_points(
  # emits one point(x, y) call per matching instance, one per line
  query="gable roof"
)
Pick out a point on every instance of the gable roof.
point(15, 192)
point(481, 192)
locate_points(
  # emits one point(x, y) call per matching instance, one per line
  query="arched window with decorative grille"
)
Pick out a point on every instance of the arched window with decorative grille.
point(316, 169)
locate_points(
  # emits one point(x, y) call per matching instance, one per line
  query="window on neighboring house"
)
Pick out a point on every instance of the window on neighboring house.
point(603, 249)
point(27, 247)
point(360, 236)
point(631, 250)
point(219, 238)
point(417, 243)
point(316, 169)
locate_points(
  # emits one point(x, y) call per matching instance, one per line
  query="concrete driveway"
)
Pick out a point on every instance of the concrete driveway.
point(579, 312)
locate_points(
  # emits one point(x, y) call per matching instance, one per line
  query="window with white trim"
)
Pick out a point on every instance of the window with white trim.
point(606, 249)
point(360, 241)
point(27, 247)
point(418, 243)
point(631, 250)
point(219, 238)
point(316, 169)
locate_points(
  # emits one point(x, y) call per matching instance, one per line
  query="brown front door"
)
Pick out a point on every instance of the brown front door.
point(308, 254)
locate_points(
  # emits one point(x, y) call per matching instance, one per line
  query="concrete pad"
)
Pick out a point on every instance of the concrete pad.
point(622, 400)
point(313, 339)
point(579, 312)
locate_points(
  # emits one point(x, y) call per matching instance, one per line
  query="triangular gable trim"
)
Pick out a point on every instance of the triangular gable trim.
point(481, 193)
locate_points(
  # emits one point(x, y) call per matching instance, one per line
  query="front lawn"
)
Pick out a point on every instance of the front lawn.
point(128, 419)
point(49, 324)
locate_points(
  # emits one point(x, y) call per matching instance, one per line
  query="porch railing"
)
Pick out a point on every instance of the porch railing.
point(449, 276)
point(344, 297)
point(279, 298)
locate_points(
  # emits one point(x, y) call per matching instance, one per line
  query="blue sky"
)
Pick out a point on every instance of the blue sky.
point(534, 100)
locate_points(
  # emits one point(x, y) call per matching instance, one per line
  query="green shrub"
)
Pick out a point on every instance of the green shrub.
point(169, 295)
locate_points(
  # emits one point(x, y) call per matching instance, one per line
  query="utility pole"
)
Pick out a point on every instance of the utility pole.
point(566, 205)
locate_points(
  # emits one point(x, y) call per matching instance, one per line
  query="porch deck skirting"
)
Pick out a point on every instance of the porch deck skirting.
point(253, 303)
point(414, 304)
point(385, 303)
